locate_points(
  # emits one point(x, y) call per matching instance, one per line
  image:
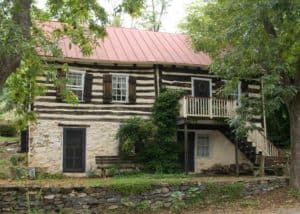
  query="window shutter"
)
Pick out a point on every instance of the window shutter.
point(60, 84)
point(107, 88)
point(88, 84)
point(244, 87)
point(132, 89)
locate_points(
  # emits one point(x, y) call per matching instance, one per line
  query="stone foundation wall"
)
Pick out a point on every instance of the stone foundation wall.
point(46, 143)
point(97, 199)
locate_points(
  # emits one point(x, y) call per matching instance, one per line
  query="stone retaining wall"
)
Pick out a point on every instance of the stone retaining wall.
point(96, 199)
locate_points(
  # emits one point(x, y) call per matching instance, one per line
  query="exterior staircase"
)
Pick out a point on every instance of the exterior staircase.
point(252, 145)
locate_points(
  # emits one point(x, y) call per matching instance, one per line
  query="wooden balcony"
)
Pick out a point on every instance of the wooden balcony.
point(207, 107)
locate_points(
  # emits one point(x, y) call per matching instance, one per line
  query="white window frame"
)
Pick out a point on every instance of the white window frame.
point(77, 88)
point(127, 87)
point(197, 144)
point(203, 79)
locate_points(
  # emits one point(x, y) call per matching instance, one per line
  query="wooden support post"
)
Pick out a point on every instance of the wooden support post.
point(261, 164)
point(237, 166)
point(185, 149)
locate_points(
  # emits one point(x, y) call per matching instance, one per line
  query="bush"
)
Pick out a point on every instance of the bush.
point(154, 141)
point(7, 130)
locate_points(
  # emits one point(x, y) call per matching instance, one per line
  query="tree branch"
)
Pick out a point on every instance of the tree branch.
point(269, 27)
point(21, 16)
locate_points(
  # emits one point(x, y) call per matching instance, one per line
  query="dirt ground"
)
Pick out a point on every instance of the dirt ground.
point(280, 201)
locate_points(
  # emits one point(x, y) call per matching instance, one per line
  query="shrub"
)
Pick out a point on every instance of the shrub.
point(154, 141)
point(7, 130)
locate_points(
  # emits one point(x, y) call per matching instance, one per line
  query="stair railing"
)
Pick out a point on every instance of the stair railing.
point(210, 107)
point(262, 144)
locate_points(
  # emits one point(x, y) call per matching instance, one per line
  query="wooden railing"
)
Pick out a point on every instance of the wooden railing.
point(262, 144)
point(207, 107)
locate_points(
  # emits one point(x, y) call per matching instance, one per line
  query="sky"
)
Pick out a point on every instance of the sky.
point(175, 14)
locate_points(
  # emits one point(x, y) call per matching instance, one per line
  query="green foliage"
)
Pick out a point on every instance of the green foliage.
point(142, 206)
point(154, 141)
point(126, 186)
point(23, 43)
point(177, 201)
point(45, 175)
point(7, 130)
point(136, 133)
point(278, 127)
point(249, 203)
point(228, 31)
point(294, 193)
point(153, 13)
point(223, 193)
point(164, 156)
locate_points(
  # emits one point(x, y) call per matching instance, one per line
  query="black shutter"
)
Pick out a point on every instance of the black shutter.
point(60, 84)
point(24, 140)
point(88, 83)
point(107, 88)
point(132, 89)
point(244, 87)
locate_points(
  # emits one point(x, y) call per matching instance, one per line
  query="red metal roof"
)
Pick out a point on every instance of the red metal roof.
point(126, 45)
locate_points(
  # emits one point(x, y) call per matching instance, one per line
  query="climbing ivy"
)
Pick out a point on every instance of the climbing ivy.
point(154, 141)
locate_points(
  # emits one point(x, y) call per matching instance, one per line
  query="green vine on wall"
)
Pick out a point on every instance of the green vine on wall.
point(153, 141)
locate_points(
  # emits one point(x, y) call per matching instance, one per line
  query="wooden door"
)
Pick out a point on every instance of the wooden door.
point(201, 87)
point(74, 150)
point(191, 151)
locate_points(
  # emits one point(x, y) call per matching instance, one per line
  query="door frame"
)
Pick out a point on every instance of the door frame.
point(65, 129)
point(206, 133)
point(203, 79)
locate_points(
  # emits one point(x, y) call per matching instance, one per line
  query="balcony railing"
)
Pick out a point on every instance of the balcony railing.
point(208, 107)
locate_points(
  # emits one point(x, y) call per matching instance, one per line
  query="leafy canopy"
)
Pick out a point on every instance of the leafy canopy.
point(251, 40)
point(154, 141)
point(22, 42)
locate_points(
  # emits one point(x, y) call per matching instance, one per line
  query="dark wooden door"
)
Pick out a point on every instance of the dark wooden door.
point(201, 88)
point(191, 151)
point(74, 150)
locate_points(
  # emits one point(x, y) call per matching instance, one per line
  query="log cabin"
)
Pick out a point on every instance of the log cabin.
point(121, 79)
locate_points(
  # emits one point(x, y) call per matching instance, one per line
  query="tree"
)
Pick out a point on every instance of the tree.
point(255, 39)
point(23, 42)
point(153, 14)
point(20, 37)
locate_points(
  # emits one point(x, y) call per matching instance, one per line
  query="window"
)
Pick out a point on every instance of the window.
point(75, 83)
point(202, 146)
point(235, 94)
point(119, 88)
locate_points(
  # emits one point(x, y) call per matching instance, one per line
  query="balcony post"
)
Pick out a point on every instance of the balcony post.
point(185, 107)
point(210, 107)
point(185, 148)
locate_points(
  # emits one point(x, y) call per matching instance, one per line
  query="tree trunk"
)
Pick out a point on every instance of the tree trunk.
point(294, 111)
point(21, 16)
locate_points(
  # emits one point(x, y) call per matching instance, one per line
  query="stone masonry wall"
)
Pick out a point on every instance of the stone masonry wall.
point(46, 143)
point(97, 199)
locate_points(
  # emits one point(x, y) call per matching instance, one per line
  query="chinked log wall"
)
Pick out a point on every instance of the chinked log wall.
point(49, 109)
point(146, 81)
point(181, 78)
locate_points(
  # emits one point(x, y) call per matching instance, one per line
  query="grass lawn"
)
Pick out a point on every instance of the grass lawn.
point(9, 139)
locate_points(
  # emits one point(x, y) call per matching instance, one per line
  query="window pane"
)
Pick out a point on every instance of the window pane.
point(75, 84)
point(119, 88)
point(202, 146)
